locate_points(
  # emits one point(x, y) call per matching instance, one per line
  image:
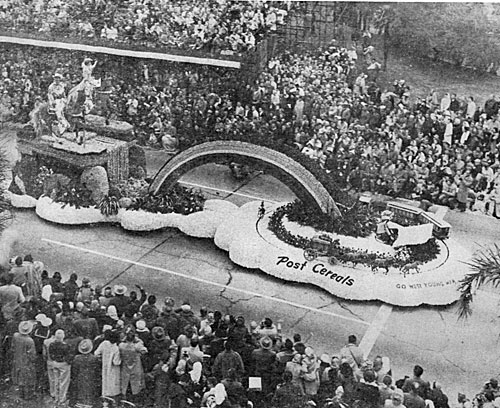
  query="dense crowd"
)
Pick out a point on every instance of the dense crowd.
point(213, 26)
point(438, 150)
point(83, 344)
point(371, 139)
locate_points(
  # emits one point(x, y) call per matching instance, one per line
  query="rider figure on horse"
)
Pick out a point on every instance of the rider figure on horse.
point(57, 101)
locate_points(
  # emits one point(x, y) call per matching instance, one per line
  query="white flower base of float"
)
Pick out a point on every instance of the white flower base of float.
point(246, 247)
point(251, 245)
point(202, 224)
point(139, 220)
point(67, 214)
point(21, 201)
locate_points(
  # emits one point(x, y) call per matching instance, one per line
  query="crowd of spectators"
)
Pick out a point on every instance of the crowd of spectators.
point(438, 150)
point(82, 345)
point(214, 26)
point(442, 150)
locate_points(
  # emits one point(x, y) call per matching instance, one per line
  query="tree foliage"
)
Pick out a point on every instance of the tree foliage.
point(485, 267)
point(459, 33)
point(465, 34)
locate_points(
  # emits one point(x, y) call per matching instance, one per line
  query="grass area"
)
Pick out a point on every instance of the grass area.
point(424, 75)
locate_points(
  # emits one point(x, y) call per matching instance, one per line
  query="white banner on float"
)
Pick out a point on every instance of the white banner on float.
point(413, 235)
point(121, 52)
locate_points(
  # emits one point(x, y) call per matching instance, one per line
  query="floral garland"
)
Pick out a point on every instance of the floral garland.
point(357, 220)
point(405, 255)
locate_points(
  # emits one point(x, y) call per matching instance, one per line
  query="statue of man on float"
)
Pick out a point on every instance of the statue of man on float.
point(68, 108)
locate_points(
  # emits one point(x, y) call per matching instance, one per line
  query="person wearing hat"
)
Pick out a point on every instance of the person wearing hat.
point(143, 332)
point(264, 363)
point(187, 316)
point(169, 319)
point(132, 372)
point(41, 333)
point(24, 359)
point(85, 376)
point(120, 300)
point(159, 348)
point(57, 99)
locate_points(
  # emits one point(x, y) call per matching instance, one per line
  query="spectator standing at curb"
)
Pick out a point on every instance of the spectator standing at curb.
point(61, 357)
point(85, 376)
point(24, 360)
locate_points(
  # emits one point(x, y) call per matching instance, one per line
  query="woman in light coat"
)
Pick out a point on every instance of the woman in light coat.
point(310, 376)
point(295, 367)
point(132, 372)
point(109, 353)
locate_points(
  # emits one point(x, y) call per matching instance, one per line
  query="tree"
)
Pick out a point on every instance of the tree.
point(485, 266)
point(458, 33)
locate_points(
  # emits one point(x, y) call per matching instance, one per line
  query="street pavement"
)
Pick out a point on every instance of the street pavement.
point(462, 355)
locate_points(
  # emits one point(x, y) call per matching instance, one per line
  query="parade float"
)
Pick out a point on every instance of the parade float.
point(80, 167)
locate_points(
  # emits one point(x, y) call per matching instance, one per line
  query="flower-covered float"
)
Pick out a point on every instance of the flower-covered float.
point(343, 256)
point(77, 178)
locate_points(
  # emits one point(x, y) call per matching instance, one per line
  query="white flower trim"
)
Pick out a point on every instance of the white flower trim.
point(251, 245)
point(21, 201)
point(201, 224)
point(68, 215)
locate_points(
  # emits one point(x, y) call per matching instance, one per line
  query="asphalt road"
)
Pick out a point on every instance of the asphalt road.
point(462, 355)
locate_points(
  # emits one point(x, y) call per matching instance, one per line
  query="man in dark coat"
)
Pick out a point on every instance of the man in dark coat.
point(288, 394)
point(24, 360)
point(85, 376)
point(120, 300)
point(60, 355)
point(71, 288)
point(169, 320)
point(226, 360)
point(264, 363)
point(86, 326)
point(367, 393)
